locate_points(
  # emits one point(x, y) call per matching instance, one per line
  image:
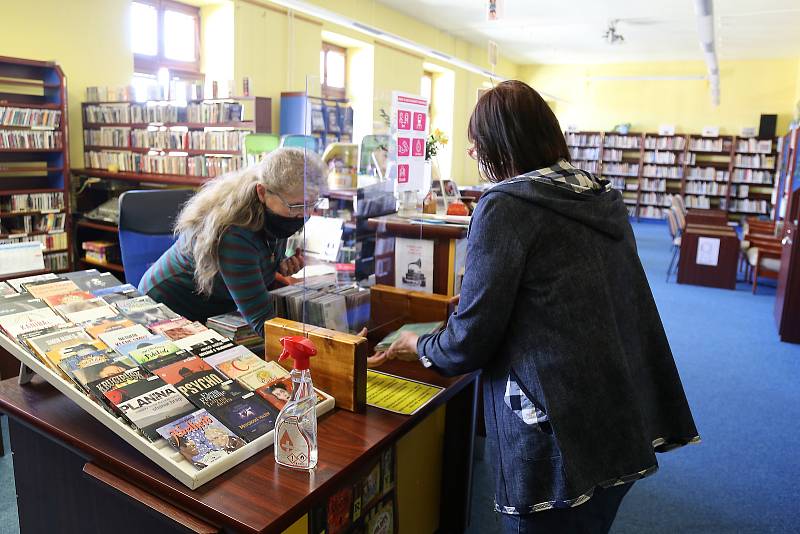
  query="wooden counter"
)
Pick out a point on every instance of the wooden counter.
point(73, 473)
point(723, 274)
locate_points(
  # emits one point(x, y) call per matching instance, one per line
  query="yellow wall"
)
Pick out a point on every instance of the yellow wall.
point(89, 39)
point(748, 88)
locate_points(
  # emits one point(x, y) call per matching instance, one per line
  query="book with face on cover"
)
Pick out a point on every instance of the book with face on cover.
point(86, 310)
point(200, 438)
point(99, 378)
point(95, 281)
point(150, 404)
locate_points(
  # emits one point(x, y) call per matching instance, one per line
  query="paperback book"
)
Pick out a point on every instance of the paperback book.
point(248, 417)
point(146, 354)
point(277, 392)
point(191, 376)
point(235, 362)
point(200, 438)
point(19, 303)
point(220, 395)
point(262, 375)
point(126, 348)
point(107, 324)
point(114, 338)
point(416, 328)
point(17, 283)
point(148, 316)
point(48, 288)
point(16, 324)
point(72, 363)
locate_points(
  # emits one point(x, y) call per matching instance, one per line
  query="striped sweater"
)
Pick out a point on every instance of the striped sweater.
point(247, 265)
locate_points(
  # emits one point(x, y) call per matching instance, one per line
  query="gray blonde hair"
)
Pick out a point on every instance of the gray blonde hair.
point(231, 200)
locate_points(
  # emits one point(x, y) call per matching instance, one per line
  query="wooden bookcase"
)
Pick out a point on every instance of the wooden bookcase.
point(35, 86)
point(708, 171)
point(144, 138)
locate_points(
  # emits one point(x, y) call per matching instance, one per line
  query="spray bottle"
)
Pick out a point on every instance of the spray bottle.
point(296, 425)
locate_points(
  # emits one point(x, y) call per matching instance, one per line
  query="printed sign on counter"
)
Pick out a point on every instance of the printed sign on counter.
point(410, 120)
point(413, 264)
point(708, 251)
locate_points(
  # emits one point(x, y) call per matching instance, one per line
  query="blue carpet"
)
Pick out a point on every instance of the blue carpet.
point(742, 386)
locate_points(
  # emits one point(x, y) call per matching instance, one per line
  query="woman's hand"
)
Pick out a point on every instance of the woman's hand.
point(404, 348)
point(292, 264)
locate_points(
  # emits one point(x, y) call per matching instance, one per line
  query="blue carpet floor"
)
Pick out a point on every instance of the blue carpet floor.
point(744, 389)
point(743, 386)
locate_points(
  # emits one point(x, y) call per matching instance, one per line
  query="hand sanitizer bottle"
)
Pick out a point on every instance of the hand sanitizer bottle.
point(296, 425)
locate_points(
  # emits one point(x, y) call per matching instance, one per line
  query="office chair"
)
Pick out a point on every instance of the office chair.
point(146, 219)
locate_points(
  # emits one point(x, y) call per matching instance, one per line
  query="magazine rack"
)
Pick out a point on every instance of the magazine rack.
point(160, 451)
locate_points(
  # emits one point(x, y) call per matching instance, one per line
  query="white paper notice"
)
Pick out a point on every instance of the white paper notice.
point(21, 257)
point(413, 264)
point(707, 251)
point(410, 128)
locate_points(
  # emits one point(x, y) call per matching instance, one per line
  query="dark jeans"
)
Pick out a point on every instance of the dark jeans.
point(595, 516)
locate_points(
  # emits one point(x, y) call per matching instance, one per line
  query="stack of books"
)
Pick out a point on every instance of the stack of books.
point(234, 327)
point(344, 309)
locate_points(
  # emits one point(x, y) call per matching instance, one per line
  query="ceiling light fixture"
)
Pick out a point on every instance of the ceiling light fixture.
point(612, 36)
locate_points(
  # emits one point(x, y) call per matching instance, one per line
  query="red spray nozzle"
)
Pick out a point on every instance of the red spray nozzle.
point(299, 348)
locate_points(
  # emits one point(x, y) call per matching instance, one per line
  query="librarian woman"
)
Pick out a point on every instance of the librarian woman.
point(231, 239)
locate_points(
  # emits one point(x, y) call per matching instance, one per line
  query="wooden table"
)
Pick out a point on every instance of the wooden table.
point(445, 239)
point(74, 475)
point(723, 274)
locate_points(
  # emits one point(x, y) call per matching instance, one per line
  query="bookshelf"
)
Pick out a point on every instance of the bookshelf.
point(621, 164)
point(34, 159)
point(329, 120)
point(724, 172)
point(753, 177)
point(158, 143)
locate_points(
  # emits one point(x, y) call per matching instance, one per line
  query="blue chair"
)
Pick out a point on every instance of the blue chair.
point(146, 220)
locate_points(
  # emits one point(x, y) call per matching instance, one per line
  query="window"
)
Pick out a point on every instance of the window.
point(333, 71)
point(426, 88)
point(165, 34)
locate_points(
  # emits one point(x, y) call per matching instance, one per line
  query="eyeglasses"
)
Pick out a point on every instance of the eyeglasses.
point(472, 152)
point(297, 209)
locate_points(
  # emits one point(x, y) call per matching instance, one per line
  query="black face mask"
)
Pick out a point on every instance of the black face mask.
point(279, 226)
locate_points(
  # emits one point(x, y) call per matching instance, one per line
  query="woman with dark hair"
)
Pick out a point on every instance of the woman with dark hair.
point(580, 386)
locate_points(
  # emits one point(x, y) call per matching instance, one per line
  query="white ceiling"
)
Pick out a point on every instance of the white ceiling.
point(569, 31)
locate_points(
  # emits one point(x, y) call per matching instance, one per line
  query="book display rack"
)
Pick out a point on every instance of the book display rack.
point(34, 159)
point(729, 173)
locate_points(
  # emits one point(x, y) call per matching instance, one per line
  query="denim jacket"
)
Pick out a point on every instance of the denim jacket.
point(580, 386)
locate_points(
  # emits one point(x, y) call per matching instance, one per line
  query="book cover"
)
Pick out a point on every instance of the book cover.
point(235, 362)
point(28, 321)
point(160, 326)
point(126, 289)
point(86, 310)
point(159, 350)
point(230, 321)
point(19, 303)
point(262, 375)
point(200, 438)
point(42, 289)
point(248, 416)
point(191, 376)
point(339, 505)
point(96, 281)
point(114, 338)
point(183, 331)
point(17, 283)
point(136, 304)
point(99, 387)
point(160, 404)
point(123, 386)
point(67, 298)
point(371, 486)
point(200, 339)
point(212, 349)
point(75, 347)
point(147, 316)
point(72, 363)
point(167, 359)
point(126, 348)
point(220, 395)
point(86, 375)
point(420, 329)
point(380, 519)
point(107, 324)
point(278, 391)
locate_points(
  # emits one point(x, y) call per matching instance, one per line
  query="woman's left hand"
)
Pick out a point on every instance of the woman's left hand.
point(291, 265)
point(404, 348)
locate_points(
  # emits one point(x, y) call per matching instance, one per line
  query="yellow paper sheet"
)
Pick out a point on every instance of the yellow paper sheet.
point(398, 395)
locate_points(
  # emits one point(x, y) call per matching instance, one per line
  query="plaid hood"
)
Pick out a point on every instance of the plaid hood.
point(572, 193)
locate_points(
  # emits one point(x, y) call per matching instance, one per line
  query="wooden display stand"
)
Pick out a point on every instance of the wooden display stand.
point(723, 274)
point(340, 367)
point(444, 237)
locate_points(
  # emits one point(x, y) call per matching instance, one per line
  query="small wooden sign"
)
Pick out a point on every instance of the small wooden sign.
point(340, 366)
